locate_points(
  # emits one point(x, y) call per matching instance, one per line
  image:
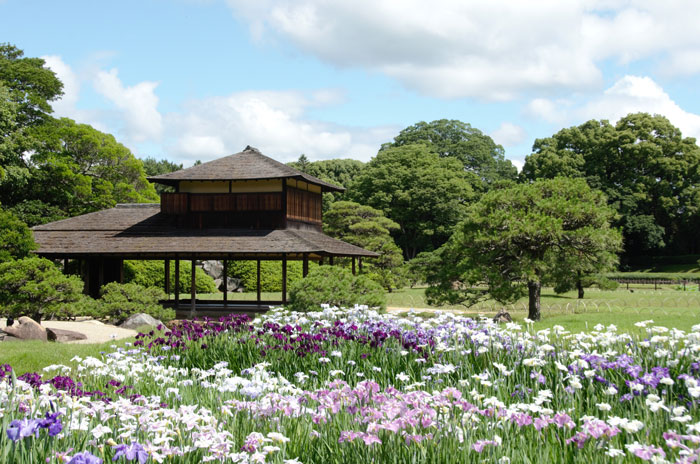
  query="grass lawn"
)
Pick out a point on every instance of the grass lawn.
point(667, 307)
point(34, 355)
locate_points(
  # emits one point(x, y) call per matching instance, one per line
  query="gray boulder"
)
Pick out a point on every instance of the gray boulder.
point(232, 284)
point(213, 268)
point(28, 329)
point(62, 335)
point(139, 320)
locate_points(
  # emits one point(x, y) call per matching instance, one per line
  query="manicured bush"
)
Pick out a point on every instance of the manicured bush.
point(337, 287)
point(37, 288)
point(270, 274)
point(119, 301)
point(152, 274)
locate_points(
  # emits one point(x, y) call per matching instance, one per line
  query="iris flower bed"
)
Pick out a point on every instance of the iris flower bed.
point(354, 386)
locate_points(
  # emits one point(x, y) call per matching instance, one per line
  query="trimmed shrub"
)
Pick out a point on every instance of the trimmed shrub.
point(152, 274)
point(37, 288)
point(119, 301)
point(337, 287)
point(270, 274)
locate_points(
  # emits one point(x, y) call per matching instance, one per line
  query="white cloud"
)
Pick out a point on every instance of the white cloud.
point(633, 94)
point(509, 134)
point(71, 86)
point(273, 121)
point(498, 49)
point(630, 94)
point(138, 105)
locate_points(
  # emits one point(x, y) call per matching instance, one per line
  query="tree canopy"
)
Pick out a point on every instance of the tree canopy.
point(515, 239)
point(476, 151)
point(644, 165)
point(16, 239)
point(368, 228)
point(423, 193)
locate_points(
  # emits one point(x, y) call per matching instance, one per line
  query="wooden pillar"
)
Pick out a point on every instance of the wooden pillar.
point(359, 264)
point(225, 281)
point(121, 271)
point(167, 277)
point(284, 279)
point(177, 283)
point(193, 291)
point(305, 265)
point(320, 261)
point(353, 266)
point(330, 260)
point(258, 280)
point(65, 265)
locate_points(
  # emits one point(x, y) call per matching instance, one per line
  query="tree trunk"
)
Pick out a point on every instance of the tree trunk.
point(580, 289)
point(533, 289)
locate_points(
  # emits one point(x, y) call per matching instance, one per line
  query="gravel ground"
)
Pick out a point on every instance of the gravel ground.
point(96, 331)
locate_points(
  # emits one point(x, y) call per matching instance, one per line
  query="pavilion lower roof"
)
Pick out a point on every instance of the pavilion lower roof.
point(140, 231)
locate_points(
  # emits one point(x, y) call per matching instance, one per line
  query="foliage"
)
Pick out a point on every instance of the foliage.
point(270, 274)
point(36, 212)
point(154, 167)
point(420, 267)
point(16, 239)
point(368, 228)
point(425, 194)
point(476, 151)
point(152, 274)
point(35, 287)
point(31, 84)
point(119, 301)
point(644, 165)
point(335, 286)
point(520, 237)
point(651, 276)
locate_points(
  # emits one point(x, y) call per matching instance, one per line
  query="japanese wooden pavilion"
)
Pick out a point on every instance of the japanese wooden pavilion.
point(244, 206)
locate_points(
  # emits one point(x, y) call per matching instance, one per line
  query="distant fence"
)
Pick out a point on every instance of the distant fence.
point(656, 282)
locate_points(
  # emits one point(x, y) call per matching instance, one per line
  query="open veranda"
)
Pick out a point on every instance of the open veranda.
point(354, 386)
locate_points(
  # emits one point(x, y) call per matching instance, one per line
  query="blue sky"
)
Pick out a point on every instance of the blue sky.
point(188, 79)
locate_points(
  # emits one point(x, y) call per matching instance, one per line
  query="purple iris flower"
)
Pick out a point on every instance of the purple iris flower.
point(85, 457)
point(131, 452)
point(22, 429)
point(51, 422)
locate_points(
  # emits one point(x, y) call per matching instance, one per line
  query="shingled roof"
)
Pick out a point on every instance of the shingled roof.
point(141, 231)
point(249, 164)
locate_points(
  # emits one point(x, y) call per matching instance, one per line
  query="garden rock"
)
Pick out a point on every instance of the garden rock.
point(63, 335)
point(232, 284)
point(502, 316)
point(213, 268)
point(28, 329)
point(139, 320)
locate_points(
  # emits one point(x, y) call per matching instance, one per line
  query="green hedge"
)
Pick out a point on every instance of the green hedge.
point(335, 286)
point(270, 274)
point(152, 274)
point(119, 301)
point(662, 260)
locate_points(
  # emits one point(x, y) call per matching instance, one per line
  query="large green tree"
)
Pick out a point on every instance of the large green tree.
point(31, 84)
point(80, 169)
point(648, 170)
point(368, 228)
point(426, 195)
point(476, 151)
point(515, 239)
point(154, 167)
